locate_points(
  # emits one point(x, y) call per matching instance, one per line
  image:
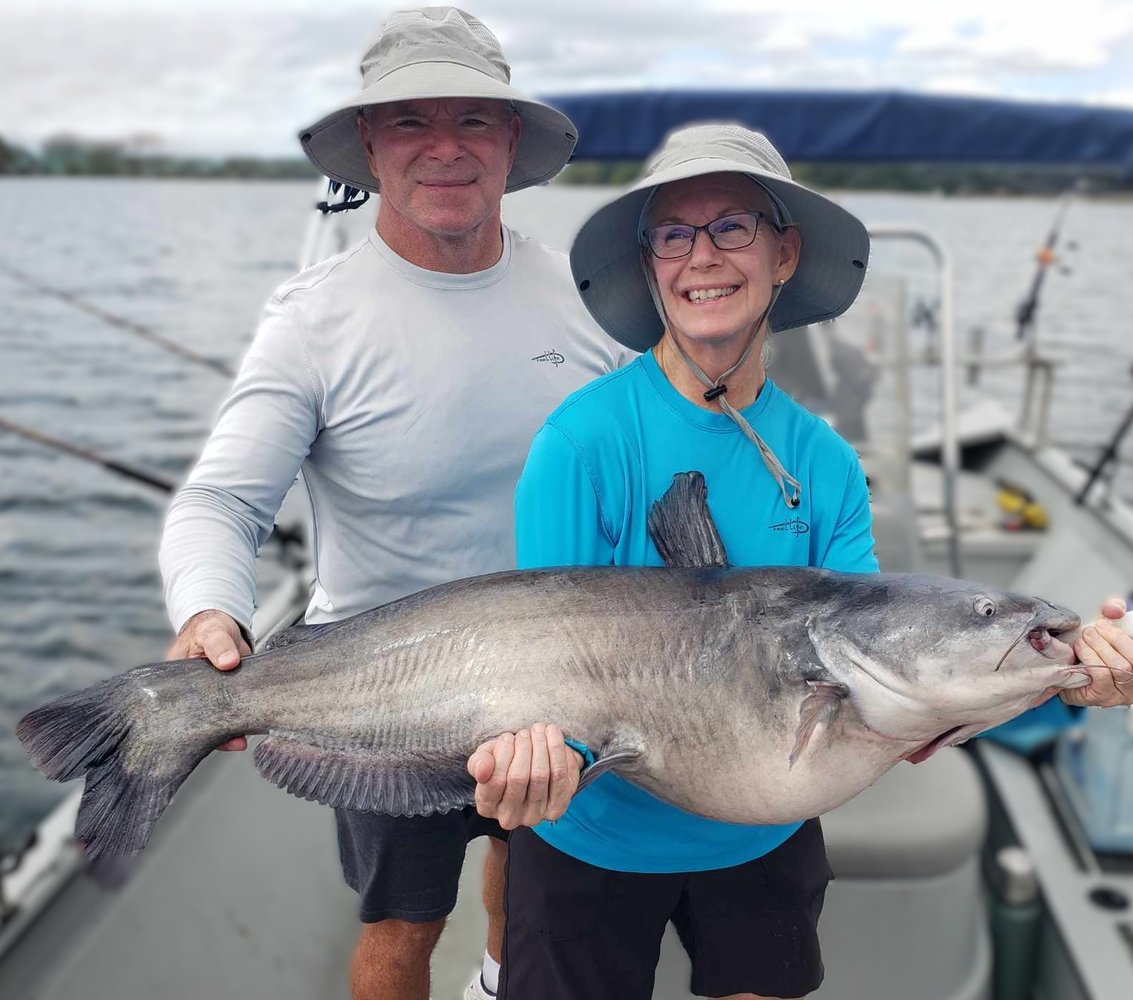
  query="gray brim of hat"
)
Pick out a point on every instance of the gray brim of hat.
point(546, 140)
point(606, 256)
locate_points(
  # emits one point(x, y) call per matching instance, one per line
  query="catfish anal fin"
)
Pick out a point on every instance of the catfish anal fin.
point(396, 782)
point(681, 525)
point(819, 706)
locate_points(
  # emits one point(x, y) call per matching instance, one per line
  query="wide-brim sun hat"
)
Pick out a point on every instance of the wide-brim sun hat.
point(606, 255)
point(433, 53)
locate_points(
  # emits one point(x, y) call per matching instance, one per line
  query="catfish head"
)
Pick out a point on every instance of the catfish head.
point(934, 661)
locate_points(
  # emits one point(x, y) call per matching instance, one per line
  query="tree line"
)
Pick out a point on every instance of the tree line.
point(68, 156)
point(71, 156)
point(945, 178)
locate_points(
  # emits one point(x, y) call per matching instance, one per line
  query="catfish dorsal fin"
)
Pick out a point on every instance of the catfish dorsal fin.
point(681, 525)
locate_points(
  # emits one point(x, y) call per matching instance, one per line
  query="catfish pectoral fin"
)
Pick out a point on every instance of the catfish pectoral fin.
point(611, 757)
point(390, 780)
point(821, 705)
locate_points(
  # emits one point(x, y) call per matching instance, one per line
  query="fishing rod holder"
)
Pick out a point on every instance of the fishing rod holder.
point(1038, 390)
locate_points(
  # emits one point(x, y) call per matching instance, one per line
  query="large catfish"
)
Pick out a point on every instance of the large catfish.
point(747, 695)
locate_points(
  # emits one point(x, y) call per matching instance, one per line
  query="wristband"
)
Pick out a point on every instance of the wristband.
point(582, 748)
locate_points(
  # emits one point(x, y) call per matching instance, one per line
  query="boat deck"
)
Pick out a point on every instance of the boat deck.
point(238, 894)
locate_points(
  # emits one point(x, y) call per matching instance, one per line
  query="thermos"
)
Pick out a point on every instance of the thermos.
point(1016, 917)
point(1108, 772)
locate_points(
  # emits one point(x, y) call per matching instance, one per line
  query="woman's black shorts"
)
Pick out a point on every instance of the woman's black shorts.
point(576, 932)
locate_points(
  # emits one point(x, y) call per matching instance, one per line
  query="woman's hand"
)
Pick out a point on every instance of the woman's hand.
point(525, 778)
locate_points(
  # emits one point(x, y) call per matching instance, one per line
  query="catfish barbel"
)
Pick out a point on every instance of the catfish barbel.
point(762, 695)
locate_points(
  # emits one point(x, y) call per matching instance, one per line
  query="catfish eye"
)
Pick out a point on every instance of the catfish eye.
point(984, 606)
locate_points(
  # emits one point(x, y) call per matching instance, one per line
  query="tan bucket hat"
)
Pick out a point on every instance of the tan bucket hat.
point(438, 52)
point(606, 255)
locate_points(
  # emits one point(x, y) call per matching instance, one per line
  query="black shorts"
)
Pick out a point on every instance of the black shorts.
point(407, 868)
point(576, 932)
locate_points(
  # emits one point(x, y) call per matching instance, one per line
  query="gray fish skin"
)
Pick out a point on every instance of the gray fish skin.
point(746, 695)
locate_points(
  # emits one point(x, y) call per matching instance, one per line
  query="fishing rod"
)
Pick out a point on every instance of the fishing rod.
point(121, 322)
point(1108, 455)
point(1028, 308)
point(145, 476)
point(286, 537)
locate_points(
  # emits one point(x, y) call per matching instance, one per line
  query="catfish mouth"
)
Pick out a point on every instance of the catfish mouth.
point(1044, 638)
point(1048, 643)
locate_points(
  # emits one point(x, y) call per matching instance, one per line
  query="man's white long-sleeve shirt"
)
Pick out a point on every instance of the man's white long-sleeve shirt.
point(409, 399)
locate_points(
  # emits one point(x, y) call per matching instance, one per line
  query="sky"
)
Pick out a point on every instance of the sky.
point(242, 77)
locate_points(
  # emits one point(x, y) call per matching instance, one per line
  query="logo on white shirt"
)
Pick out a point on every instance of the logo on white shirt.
point(551, 355)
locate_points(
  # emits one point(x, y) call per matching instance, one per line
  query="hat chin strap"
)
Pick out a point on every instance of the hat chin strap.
point(789, 487)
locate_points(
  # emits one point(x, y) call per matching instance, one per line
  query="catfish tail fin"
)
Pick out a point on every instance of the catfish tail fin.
point(132, 765)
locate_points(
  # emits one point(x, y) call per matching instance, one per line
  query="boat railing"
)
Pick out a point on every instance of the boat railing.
point(1039, 370)
point(1033, 419)
point(948, 362)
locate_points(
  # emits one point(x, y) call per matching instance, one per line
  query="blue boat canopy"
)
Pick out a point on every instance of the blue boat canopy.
point(862, 127)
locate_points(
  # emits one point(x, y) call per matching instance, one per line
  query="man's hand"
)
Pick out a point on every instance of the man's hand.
point(525, 778)
point(214, 636)
point(1108, 653)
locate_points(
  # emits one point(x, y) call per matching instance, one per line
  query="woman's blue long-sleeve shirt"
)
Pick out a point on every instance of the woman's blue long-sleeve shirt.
point(594, 469)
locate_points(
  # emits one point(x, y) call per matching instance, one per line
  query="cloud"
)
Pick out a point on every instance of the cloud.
point(240, 81)
point(1009, 38)
point(245, 77)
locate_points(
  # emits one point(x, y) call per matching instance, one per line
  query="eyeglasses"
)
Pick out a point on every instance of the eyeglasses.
point(729, 232)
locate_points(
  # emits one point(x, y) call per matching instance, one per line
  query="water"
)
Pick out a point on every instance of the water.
point(195, 260)
point(78, 567)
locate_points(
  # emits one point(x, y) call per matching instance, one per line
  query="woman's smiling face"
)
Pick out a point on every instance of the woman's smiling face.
point(712, 295)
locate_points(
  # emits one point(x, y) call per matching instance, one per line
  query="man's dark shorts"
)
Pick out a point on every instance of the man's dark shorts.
point(576, 931)
point(407, 868)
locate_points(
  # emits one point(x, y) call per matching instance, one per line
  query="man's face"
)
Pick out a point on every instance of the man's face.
point(442, 164)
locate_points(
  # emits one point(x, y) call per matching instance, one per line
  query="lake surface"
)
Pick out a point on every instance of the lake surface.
point(195, 260)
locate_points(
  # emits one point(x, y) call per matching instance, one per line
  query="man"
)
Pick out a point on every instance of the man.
point(406, 378)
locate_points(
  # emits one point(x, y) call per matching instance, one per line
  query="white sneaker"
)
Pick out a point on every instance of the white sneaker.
point(476, 991)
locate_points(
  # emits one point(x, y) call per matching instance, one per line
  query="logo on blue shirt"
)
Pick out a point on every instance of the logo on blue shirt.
point(553, 356)
point(796, 526)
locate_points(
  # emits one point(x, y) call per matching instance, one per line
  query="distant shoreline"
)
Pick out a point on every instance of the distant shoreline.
point(74, 157)
point(1115, 194)
point(161, 178)
point(71, 156)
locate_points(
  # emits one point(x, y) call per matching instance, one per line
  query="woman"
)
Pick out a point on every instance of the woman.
point(712, 248)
